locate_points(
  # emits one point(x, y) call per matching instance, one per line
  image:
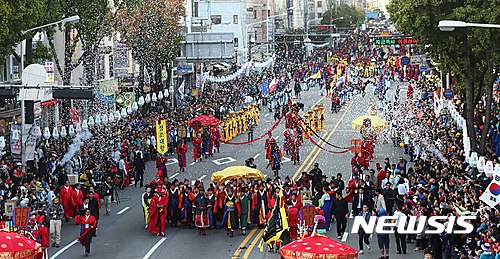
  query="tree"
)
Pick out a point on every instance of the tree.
point(95, 23)
point(471, 54)
point(349, 13)
point(16, 16)
point(151, 29)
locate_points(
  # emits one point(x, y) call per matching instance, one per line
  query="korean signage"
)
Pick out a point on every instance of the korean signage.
point(21, 216)
point(108, 87)
point(161, 136)
point(49, 68)
point(394, 41)
point(29, 139)
point(307, 213)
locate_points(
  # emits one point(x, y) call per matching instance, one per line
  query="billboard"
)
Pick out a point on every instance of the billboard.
point(209, 46)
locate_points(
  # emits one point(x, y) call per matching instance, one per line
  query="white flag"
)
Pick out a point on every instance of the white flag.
point(181, 89)
point(491, 195)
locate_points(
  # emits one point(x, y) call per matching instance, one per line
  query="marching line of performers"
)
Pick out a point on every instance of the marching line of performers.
point(231, 205)
point(236, 123)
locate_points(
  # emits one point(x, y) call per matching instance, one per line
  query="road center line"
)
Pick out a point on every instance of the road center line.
point(201, 178)
point(173, 176)
point(123, 210)
point(261, 232)
point(255, 157)
point(152, 250)
point(63, 249)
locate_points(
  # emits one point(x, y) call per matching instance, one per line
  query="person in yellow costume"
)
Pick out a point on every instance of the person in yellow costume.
point(307, 123)
point(229, 124)
point(234, 125)
point(317, 125)
point(224, 127)
point(321, 116)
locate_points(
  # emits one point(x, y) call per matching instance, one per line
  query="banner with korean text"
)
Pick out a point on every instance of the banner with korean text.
point(161, 137)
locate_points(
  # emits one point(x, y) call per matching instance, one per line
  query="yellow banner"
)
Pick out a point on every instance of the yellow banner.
point(161, 137)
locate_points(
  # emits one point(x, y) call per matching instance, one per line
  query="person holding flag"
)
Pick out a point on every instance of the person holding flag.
point(277, 230)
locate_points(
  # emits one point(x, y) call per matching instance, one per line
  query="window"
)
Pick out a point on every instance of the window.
point(235, 19)
point(268, 13)
point(319, 4)
point(255, 14)
point(195, 11)
point(235, 42)
point(216, 19)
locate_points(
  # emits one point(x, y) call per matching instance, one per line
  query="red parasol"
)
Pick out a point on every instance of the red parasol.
point(317, 247)
point(13, 245)
point(204, 121)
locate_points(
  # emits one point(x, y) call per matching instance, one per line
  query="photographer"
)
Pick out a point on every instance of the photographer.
point(107, 193)
point(55, 213)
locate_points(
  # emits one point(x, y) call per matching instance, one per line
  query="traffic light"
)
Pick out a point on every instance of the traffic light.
point(67, 93)
point(7, 93)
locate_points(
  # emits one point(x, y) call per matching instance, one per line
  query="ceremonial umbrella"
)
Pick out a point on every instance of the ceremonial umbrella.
point(317, 247)
point(377, 123)
point(13, 245)
point(204, 121)
point(237, 172)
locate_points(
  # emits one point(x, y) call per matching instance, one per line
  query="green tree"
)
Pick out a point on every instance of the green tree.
point(16, 16)
point(349, 13)
point(151, 29)
point(471, 54)
point(96, 21)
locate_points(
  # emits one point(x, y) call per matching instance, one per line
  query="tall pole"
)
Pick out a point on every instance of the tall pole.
point(23, 111)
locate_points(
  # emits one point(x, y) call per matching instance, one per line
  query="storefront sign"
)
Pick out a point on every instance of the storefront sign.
point(108, 87)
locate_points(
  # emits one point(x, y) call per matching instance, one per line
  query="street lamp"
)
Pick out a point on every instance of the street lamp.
point(450, 25)
point(70, 19)
point(307, 26)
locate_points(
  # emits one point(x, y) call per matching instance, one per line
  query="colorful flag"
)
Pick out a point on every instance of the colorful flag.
point(316, 76)
point(491, 195)
point(273, 85)
point(277, 226)
point(181, 89)
point(161, 136)
point(264, 87)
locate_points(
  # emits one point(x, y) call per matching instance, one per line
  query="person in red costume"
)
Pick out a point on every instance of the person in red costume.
point(181, 151)
point(296, 142)
point(293, 220)
point(156, 183)
point(77, 197)
point(409, 94)
point(66, 197)
point(88, 225)
point(352, 187)
point(197, 148)
point(368, 146)
point(129, 166)
point(158, 213)
point(269, 141)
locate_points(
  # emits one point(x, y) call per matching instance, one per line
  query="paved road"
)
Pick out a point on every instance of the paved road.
point(123, 236)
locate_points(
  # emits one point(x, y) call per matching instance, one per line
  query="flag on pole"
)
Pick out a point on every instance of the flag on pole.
point(277, 226)
point(491, 195)
point(181, 89)
point(316, 76)
point(264, 87)
point(273, 85)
